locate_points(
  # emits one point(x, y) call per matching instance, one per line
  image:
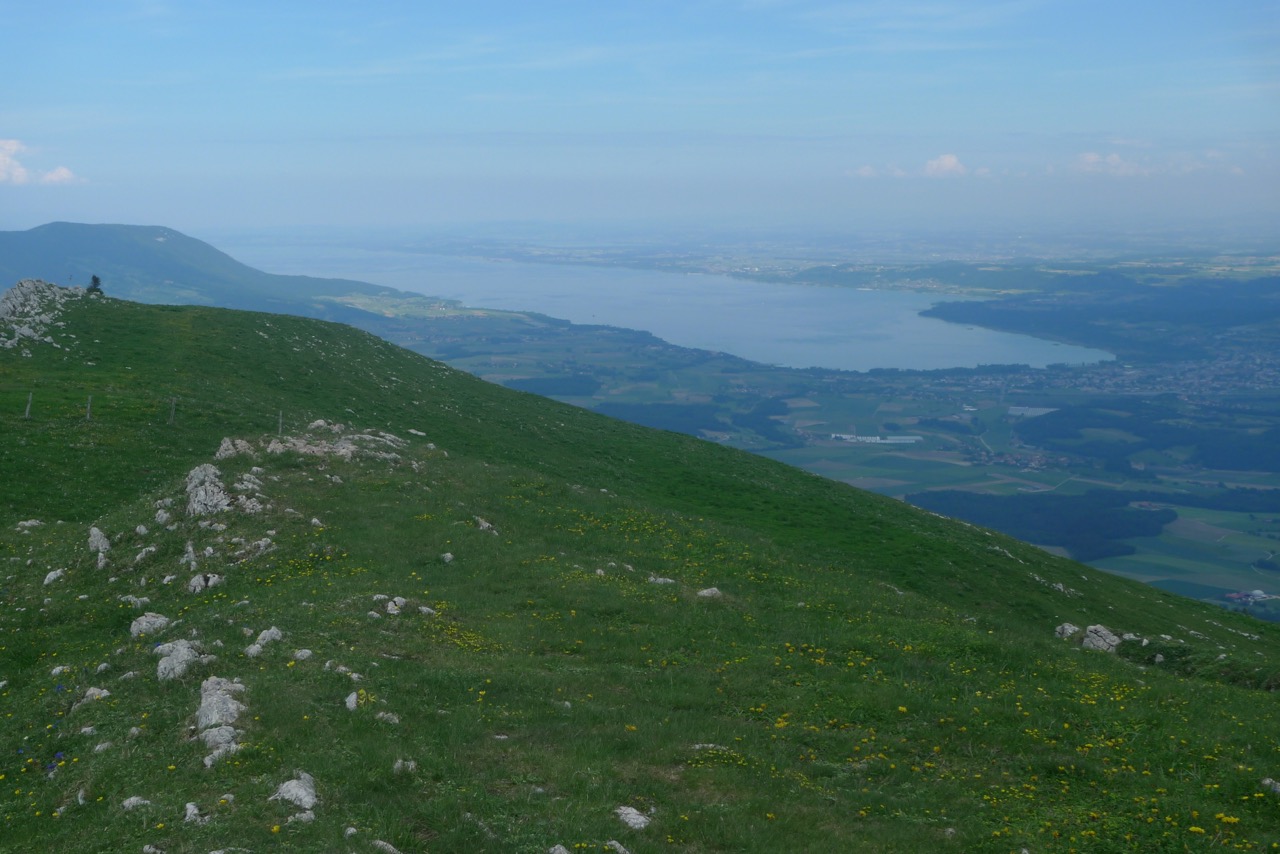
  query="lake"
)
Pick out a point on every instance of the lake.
point(795, 326)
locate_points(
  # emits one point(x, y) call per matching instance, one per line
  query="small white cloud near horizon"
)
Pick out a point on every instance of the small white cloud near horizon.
point(865, 172)
point(1110, 164)
point(13, 172)
point(59, 175)
point(944, 166)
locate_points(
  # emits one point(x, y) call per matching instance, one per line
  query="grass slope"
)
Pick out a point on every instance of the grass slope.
point(871, 678)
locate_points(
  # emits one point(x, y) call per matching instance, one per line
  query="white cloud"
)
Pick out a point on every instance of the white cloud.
point(1109, 164)
point(13, 172)
point(60, 175)
point(944, 165)
point(866, 172)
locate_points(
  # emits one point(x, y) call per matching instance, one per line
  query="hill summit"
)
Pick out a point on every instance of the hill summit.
point(269, 582)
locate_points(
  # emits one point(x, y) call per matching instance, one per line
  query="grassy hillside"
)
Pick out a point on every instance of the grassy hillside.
point(869, 676)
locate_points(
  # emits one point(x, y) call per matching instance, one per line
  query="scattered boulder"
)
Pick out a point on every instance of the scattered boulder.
point(205, 492)
point(1066, 630)
point(1101, 638)
point(135, 802)
point(99, 543)
point(232, 447)
point(54, 576)
point(264, 637)
point(710, 593)
point(219, 709)
point(92, 694)
point(218, 703)
point(203, 581)
point(301, 791)
point(176, 657)
point(632, 817)
point(148, 624)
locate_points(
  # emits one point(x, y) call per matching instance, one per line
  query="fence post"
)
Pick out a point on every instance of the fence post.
point(173, 405)
point(27, 415)
point(88, 409)
point(280, 425)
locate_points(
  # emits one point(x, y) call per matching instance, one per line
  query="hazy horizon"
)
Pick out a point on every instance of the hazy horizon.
point(756, 116)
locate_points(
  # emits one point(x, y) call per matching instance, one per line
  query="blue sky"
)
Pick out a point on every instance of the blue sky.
point(760, 113)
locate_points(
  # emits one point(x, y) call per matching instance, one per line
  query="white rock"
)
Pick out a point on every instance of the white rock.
point(54, 576)
point(141, 530)
point(176, 657)
point(218, 704)
point(98, 541)
point(352, 701)
point(632, 817)
point(654, 579)
point(710, 593)
point(149, 623)
point(1101, 638)
point(616, 847)
point(219, 737)
point(301, 792)
point(404, 766)
point(301, 654)
point(388, 717)
point(384, 847)
point(205, 492)
point(1066, 630)
point(193, 815)
point(135, 802)
point(447, 557)
point(94, 694)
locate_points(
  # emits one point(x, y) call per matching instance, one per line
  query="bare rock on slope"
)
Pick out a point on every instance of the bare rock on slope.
point(1101, 638)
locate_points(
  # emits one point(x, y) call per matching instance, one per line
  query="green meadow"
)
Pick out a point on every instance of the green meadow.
point(523, 617)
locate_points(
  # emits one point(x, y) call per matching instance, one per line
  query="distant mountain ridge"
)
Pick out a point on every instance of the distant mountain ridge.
point(156, 264)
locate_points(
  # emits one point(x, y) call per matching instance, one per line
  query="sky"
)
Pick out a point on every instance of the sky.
point(760, 114)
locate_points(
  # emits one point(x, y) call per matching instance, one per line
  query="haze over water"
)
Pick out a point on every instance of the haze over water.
point(794, 326)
